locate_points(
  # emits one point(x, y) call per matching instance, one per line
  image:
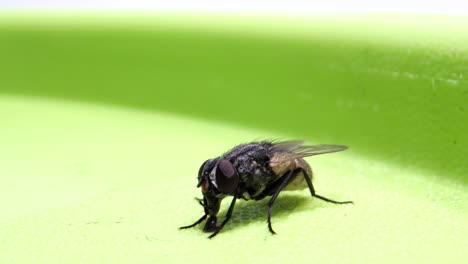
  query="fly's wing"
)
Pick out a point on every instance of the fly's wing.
point(288, 155)
point(297, 149)
point(284, 154)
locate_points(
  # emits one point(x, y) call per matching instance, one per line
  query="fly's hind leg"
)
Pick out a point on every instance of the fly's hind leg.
point(285, 180)
point(312, 191)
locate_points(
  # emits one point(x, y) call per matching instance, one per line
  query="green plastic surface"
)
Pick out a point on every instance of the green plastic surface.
point(105, 120)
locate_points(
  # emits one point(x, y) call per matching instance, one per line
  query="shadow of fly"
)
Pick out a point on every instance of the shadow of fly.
point(255, 171)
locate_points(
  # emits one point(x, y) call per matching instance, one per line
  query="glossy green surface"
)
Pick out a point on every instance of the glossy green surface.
point(85, 183)
point(105, 170)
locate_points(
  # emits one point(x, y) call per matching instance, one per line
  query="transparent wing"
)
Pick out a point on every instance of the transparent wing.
point(298, 149)
point(306, 151)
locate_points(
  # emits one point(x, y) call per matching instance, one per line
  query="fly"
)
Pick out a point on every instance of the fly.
point(255, 171)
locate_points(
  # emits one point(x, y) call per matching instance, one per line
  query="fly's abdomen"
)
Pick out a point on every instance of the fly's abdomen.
point(299, 182)
point(282, 163)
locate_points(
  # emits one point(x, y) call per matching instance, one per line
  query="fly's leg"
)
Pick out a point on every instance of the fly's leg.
point(285, 180)
point(226, 219)
point(194, 224)
point(312, 191)
point(202, 203)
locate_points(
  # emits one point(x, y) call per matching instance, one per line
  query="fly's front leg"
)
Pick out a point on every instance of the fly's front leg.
point(228, 216)
point(202, 203)
point(194, 224)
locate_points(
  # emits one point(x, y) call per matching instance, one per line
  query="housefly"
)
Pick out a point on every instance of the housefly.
point(255, 171)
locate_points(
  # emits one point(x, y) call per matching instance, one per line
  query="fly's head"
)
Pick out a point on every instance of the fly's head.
point(217, 178)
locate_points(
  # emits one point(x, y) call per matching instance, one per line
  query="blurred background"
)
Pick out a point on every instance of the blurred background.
point(414, 6)
point(98, 96)
point(330, 71)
